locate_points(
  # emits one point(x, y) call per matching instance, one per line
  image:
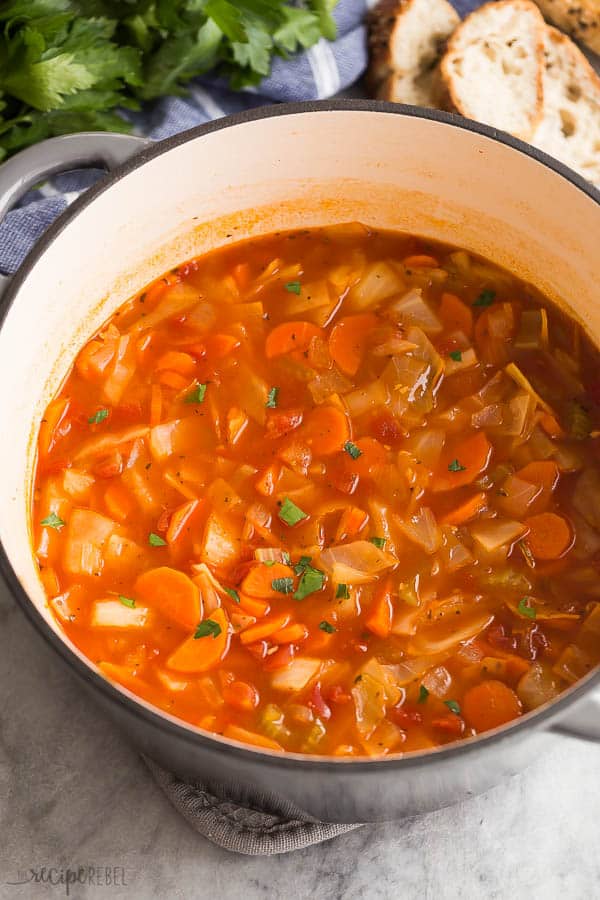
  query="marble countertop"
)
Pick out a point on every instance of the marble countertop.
point(74, 793)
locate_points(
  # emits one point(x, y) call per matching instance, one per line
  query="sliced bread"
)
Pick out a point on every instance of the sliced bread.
point(492, 68)
point(570, 127)
point(580, 18)
point(407, 38)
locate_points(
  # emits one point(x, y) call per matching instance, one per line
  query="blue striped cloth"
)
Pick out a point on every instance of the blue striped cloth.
point(320, 72)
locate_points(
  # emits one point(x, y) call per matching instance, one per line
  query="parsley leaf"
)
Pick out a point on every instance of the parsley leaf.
point(272, 398)
point(290, 513)
point(342, 592)
point(327, 627)
point(155, 540)
point(293, 287)
point(311, 580)
point(455, 466)
point(352, 450)
point(456, 355)
point(127, 601)
point(53, 521)
point(453, 706)
point(233, 594)
point(486, 298)
point(302, 563)
point(423, 694)
point(206, 628)
point(283, 585)
point(197, 395)
point(378, 541)
point(99, 416)
point(526, 609)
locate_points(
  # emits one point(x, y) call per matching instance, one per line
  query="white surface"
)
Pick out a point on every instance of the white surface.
point(73, 793)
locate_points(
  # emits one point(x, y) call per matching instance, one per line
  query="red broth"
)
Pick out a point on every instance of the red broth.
point(334, 491)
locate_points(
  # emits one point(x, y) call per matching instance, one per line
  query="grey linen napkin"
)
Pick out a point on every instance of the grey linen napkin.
point(263, 831)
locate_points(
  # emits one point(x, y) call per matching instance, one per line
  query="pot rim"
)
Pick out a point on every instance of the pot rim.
point(145, 711)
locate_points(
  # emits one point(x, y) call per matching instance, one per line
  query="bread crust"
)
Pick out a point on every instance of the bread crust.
point(579, 18)
point(449, 94)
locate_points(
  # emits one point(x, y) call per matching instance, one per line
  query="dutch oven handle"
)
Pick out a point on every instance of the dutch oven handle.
point(101, 150)
point(583, 720)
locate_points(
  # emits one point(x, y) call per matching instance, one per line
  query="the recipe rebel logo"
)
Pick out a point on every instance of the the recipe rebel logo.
point(69, 878)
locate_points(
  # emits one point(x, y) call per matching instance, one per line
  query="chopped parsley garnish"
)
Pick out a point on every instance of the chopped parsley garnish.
point(99, 416)
point(352, 450)
point(283, 585)
point(127, 601)
point(311, 580)
point(327, 627)
point(456, 355)
point(302, 563)
point(486, 298)
point(290, 513)
point(53, 521)
point(207, 628)
point(293, 287)
point(453, 706)
point(272, 398)
point(455, 466)
point(233, 594)
point(155, 540)
point(378, 541)
point(423, 694)
point(526, 609)
point(197, 395)
point(342, 592)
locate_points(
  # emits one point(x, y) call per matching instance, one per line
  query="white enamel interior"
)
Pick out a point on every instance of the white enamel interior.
point(391, 171)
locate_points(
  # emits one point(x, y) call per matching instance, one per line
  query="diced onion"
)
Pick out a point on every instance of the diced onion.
point(356, 563)
point(537, 686)
point(422, 530)
point(412, 309)
point(491, 534)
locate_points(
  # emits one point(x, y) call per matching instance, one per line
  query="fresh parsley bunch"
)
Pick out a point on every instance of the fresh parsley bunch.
point(70, 65)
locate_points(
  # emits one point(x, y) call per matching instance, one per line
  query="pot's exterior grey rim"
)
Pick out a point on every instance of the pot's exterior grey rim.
point(187, 735)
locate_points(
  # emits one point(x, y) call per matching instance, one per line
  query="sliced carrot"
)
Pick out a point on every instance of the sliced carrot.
point(352, 522)
point(173, 380)
point(290, 336)
point(181, 519)
point(125, 675)
point(268, 479)
point(218, 346)
point(326, 429)
point(119, 502)
point(544, 473)
point(490, 704)
point(290, 634)
point(466, 511)
point(379, 620)
point(259, 580)
point(552, 426)
point(241, 695)
point(55, 425)
point(172, 593)
point(549, 535)
point(373, 455)
point(49, 579)
point(348, 341)
point(455, 315)
point(282, 422)
point(254, 606)
point(462, 462)
point(242, 275)
point(420, 261)
point(176, 361)
point(155, 405)
point(264, 629)
point(204, 653)
point(237, 422)
point(250, 737)
point(142, 348)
